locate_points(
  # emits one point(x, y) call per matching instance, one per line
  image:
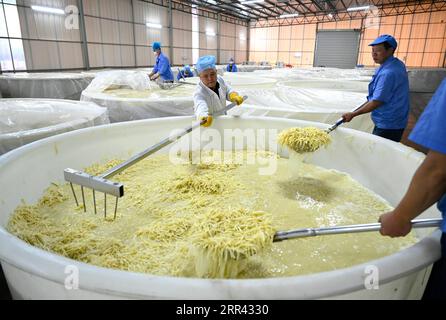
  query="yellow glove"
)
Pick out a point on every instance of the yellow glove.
point(208, 121)
point(234, 97)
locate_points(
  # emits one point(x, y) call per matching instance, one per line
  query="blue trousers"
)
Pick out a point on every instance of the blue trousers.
point(436, 286)
point(391, 134)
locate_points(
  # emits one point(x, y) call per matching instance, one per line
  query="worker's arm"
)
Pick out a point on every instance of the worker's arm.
point(155, 76)
point(201, 108)
point(366, 108)
point(427, 187)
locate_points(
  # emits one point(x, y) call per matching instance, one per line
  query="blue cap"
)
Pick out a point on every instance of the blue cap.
point(205, 62)
point(187, 67)
point(385, 38)
point(156, 46)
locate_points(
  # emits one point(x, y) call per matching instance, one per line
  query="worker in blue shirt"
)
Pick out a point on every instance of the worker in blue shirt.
point(231, 67)
point(388, 98)
point(162, 65)
point(428, 186)
point(185, 73)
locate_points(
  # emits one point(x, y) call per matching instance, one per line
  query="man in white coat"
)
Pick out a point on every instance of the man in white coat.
point(212, 92)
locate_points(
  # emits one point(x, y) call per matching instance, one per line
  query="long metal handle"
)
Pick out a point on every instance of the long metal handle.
point(341, 121)
point(147, 152)
point(356, 228)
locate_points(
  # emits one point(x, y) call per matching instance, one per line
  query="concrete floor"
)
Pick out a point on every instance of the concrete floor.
point(418, 103)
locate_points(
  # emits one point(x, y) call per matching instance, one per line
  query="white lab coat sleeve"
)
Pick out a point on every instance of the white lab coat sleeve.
point(201, 108)
point(229, 90)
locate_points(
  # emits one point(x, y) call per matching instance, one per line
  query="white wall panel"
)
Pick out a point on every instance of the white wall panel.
point(45, 54)
point(93, 29)
point(227, 43)
point(144, 56)
point(240, 56)
point(109, 31)
point(145, 12)
point(91, 7)
point(95, 55)
point(125, 10)
point(112, 55)
point(70, 55)
point(208, 42)
point(126, 33)
point(227, 29)
point(127, 56)
point(108, 9)
point(182, 56)
point(207, 24)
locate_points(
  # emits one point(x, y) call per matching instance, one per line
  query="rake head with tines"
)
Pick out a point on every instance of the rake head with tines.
point(102, 184)
point(95, 183)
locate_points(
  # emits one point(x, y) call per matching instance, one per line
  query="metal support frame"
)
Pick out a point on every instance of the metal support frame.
point(392, 9)
point(218, 38)
point(248, 40)
point(83, 35)
point(134, 31)
point(9, 40)
point(170, 31)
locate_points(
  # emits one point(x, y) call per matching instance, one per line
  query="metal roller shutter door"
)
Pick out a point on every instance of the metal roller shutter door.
point(337, 48)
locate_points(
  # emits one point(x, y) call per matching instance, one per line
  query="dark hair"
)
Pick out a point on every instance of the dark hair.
point(387, 45)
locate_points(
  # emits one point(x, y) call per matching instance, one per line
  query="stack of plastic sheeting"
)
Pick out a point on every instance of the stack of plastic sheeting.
point(313, 104)
point(44, 85)
point(129, 95)
point(26, 120)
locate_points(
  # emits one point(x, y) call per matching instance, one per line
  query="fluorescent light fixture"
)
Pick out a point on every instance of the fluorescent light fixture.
point(48, 10)
point(210, 33)
point(252, 1)
point(211, 2)
point(290, 15)
point(330, 15)
point(364, 8)
point(154, 25)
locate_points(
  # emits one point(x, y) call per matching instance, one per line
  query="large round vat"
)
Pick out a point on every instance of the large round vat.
point(381, 165)
point(44, 85)
point(26, 120)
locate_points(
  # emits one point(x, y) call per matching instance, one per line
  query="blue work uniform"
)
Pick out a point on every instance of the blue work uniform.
point(430, 132)
point(390, 86)
point(231, 68)
point(162, 66)
point(184, 74)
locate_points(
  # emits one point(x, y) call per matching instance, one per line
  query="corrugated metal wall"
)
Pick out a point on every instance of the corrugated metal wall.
point(336, 48)
point(208, 43)
point(116, 35)
point(421, 38)
point(109, 30)
point(288, 44)
point(46, 42)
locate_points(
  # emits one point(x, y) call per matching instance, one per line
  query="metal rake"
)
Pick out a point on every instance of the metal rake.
point(102, 184)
